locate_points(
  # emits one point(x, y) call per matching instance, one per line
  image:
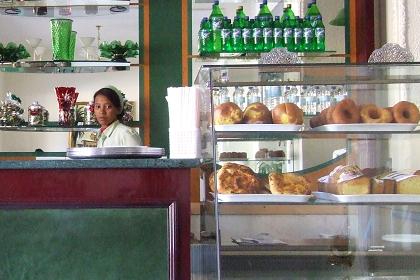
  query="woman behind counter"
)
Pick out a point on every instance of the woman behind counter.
point(108, 109)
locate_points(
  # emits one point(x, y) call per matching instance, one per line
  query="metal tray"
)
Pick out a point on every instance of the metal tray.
point(369, 198)
point(258, 127)
point(263, 198)
point(116, 152)
point(391, 127)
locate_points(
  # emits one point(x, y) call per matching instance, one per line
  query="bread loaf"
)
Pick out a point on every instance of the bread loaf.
point(345, 180)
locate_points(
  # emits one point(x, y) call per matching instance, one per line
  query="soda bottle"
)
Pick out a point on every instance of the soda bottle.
point(278, 33)
point(241, 15)
point(289, 12)
point(257, 34)
point(283, 17)
point(204, 35)
point(237, 40)
point(266, 23)
point(297, 35)
point(247, 36)
point(308, 36)
point(288, 34)
point(319, 35)
point(216, 19)
point(226, 35)
point(313, 13)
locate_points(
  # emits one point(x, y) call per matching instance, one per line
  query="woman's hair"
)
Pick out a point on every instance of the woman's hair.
point(112, 95)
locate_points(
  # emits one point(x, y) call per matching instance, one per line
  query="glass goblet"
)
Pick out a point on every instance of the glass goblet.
point(87, 44)
point(33, 43)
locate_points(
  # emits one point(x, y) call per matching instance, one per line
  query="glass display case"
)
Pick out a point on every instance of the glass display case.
point(295, 216)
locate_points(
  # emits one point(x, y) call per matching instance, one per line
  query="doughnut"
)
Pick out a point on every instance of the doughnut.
point(406, 112)
point(345, 112)
point(287, 113)
point(372, 114)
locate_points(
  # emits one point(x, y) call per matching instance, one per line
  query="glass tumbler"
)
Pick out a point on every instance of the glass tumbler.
point(60, 35)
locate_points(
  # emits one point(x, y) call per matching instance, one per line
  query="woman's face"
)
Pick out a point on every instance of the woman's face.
point(105, 112)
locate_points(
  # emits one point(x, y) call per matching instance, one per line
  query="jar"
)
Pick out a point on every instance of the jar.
point(35, 114)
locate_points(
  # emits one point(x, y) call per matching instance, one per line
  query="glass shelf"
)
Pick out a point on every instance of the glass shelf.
point(63, 66)
point(253, 56)
point(54, 127)
point(59, 8)
point(306, 134)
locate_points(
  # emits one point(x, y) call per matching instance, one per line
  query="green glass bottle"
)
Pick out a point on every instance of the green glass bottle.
point(241, 15)
point(216, 19)
point(319, 35)
point(278, 33)
point(257, 34)
point(297, 35)
point(266, 23)
point(205, 37)
point(308, 36)
point(247, 35)
point(288, 34)
point(226, 36)
point(237, 40)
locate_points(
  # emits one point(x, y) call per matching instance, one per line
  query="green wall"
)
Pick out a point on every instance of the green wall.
point(165, 64)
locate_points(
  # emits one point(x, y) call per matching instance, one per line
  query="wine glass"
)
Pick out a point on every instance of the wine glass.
point(33, 43)
point(39, 52)
point(87, 44)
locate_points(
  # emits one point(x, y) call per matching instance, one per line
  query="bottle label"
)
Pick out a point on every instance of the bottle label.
point(246, 33)
point(288, 32)
point(236, 33)
point(308, 32)
point(204, 34)
point(217, 23)
point(298, 32)
point(257, 33)
point(267, 32)
point(320, 33)
point(278, 32)
point(226, 33)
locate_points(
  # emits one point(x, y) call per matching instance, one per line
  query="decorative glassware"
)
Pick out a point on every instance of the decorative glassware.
point(33, 43)
point(87, 44)
point(61, 33)
point(66, 97)
point(72, 44)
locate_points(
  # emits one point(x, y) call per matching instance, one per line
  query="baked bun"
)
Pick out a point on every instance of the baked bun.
point(257, 113)
point(227, 113)
point(235, 178)
point(288, 183)
point(287, 113)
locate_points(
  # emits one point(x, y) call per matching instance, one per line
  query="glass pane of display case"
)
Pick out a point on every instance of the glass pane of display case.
point(342, 198)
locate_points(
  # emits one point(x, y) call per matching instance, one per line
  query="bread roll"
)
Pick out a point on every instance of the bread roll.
point(227, 113)
point(257, 113)
point(287, 113)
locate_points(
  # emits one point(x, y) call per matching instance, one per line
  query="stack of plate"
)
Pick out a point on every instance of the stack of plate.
point(116, 152)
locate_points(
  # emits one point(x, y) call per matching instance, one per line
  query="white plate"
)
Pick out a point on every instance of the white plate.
point(291, 198)
point(258, 127)
point(402, 238)
point(391, 127)
point(369, 198)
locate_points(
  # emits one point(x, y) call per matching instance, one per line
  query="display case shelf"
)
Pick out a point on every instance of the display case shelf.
point(54, 127)
point(64, 66)
point(253, 56)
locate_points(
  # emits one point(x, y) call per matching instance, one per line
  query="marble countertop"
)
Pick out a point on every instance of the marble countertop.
point(99, 163)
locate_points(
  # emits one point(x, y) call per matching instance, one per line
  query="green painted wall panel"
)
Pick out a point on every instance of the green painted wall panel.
point(94, 244)
point(165, 64)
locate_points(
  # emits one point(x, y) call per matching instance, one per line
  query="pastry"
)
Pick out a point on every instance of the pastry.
point(287, 113)
point(372, 114)
point(257, 113)
point(345, 112)
point(346, 180)
point(288, 183)
point(234, 178)
point(227, 113)
point(406, 112)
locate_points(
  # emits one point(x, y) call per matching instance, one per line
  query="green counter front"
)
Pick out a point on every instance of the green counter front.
point(95, 219)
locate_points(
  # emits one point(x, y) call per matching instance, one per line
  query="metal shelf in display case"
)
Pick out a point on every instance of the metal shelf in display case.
point(64, 66)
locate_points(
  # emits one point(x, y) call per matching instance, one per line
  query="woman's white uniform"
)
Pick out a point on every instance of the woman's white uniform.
point(118, 134)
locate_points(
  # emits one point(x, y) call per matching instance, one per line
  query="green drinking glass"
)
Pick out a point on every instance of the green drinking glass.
point(72, 45)
point(60, 35)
